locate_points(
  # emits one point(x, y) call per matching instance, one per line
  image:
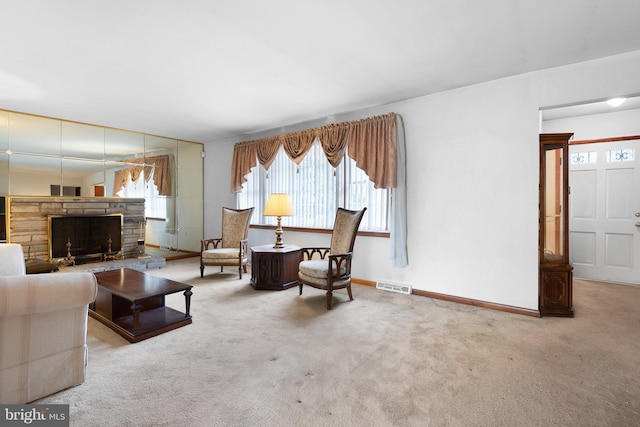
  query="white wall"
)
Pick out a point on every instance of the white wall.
point(472, 174)
point(217, 182)
point(597, 126)
point(39, 184)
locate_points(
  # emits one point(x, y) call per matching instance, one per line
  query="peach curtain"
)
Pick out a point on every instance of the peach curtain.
point(371, 142)
point(161, 167)
point(298, 144)
point(373, 145)
point(120, 179)
point(333, 139)
point(267, 151)
point(161, 173)
point(244, 159)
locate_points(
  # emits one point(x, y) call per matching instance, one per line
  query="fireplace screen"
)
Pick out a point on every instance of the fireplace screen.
point(85, 237)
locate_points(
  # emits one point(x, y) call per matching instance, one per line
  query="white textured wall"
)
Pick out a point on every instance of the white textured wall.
point(472, 174)
point(217, 179)
point(36, 184)
point(597, 126)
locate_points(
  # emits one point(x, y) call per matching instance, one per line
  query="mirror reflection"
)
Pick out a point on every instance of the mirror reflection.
point(553, 249)
point(41, 156)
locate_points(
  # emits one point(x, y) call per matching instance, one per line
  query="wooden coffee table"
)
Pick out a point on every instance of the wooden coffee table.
point(132, 304)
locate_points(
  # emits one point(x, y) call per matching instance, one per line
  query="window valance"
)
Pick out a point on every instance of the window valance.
point(160, 165)
point(371, 142)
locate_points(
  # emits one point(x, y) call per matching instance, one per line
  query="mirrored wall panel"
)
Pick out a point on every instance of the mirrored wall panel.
point(41, 156)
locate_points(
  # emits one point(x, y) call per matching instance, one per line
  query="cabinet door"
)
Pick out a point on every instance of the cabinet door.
point(556, 297)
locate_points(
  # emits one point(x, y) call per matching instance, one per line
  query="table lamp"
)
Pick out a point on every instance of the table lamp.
point(278, 205)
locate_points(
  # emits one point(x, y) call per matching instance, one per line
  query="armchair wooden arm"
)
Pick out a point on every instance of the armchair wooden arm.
point(308, 253)
point(336, 263)
point(206, 244)
point(244, 248)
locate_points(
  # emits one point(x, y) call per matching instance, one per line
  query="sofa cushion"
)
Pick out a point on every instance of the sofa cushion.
point(318, 268)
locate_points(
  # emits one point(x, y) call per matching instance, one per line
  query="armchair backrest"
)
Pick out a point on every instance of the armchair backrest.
point(345, 229)
point(12, 260)
point(235, 226)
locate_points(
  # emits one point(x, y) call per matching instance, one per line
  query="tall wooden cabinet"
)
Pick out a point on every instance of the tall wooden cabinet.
point(555, 271)
point(3, 220)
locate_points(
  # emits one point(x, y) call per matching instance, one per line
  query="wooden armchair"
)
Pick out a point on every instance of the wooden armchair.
point(333, 269)
point(230, 249)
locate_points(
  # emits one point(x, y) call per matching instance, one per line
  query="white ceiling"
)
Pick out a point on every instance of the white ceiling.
point(206, 70)
point(590, 108)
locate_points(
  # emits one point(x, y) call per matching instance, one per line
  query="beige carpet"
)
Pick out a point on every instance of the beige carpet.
point(269, 358)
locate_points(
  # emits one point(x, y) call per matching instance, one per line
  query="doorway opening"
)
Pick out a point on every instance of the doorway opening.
point(604, 181)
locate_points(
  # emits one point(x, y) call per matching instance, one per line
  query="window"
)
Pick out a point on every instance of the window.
point(316, 190)
point(584, 157)
point(626, 155)
point(155, 205)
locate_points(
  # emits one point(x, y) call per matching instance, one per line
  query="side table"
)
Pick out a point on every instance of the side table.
point(274, 269)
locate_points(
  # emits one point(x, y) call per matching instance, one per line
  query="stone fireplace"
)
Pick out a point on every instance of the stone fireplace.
point(28, 220)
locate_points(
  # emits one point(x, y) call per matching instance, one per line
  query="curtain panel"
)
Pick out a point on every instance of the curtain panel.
point(371, 142)
point(160, 165)
point(244, 159)
point(373, 145)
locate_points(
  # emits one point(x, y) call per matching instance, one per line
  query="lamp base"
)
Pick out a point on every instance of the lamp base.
point(279, 244)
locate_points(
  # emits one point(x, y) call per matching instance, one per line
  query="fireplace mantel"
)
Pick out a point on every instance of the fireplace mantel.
point(27, 221)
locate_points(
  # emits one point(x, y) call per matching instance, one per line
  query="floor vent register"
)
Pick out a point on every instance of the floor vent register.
point(393, 287)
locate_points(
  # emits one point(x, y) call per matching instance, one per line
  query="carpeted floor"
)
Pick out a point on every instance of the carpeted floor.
point(273, 358)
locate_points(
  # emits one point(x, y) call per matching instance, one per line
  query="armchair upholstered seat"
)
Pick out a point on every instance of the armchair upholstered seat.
point(230, 249)
point(43, 328)
point(333, 268)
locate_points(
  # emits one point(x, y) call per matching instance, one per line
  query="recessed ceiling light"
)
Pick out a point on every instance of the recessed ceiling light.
point(616, 102)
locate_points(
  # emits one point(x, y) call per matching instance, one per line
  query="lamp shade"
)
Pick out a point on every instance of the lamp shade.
point(279, 204)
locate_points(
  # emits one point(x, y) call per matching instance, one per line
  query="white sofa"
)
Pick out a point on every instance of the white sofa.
point(43, 328)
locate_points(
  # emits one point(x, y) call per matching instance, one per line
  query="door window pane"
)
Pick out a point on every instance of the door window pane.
point(626, 155)
point(584, 157)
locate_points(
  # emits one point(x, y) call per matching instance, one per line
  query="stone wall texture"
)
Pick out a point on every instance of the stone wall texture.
point(28, 219)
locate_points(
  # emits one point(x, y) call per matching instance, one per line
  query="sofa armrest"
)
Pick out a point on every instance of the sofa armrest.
point(43, 293)
point(11, 259)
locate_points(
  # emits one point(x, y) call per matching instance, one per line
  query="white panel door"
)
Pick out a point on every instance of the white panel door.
point(604, 211)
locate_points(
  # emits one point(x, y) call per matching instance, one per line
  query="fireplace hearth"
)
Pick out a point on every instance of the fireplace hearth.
point(83, 239)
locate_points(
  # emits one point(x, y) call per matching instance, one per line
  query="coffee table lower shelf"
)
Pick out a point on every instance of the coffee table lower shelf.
point(151, 323)
point(132, 304)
